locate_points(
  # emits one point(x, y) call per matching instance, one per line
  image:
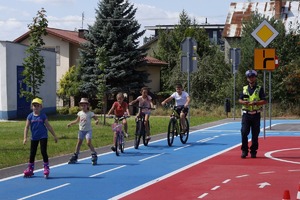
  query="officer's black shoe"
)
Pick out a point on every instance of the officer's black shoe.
point(253, 154)
point(244, 154)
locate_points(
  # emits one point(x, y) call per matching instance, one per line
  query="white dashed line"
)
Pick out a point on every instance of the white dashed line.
point(294, 170)
point(226, 181)
point(185, 146)
point(108, 171)
point(151, 157)
point(242, 176)
point(215, 188)
point(271, 172)
point(202, 195)
point(36, 194)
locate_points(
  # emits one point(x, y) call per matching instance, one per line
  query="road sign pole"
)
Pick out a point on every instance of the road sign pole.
point(264, 106)
point(270, 98)
point(188, 68)
point(234, 95)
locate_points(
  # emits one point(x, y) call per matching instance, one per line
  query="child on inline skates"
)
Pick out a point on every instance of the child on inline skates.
point(120, 109)
point(84, 118)
point(39, 126)
point(145, 101)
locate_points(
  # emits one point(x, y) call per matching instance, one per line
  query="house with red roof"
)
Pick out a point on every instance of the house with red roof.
point(66, 44)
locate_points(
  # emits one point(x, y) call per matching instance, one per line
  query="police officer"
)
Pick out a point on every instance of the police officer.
point(252, 98)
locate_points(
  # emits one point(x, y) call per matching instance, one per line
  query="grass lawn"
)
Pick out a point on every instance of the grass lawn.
point(13, 152)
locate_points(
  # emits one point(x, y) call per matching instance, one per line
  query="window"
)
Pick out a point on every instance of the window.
point(57, 50)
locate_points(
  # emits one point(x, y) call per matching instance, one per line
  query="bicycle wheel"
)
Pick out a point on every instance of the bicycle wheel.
point(117, 144)
point(171, 132)
point(138, 134)
point(184, 137)
point(144, 134)
point(122, 142)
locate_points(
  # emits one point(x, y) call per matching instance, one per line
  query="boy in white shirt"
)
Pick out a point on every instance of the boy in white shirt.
point(182, 101)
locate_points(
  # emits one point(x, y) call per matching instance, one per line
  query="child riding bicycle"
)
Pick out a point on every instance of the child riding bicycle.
point(120, 109)
point(145, 101)
point(182, 101)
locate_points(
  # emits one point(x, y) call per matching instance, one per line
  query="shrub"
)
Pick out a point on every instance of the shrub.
point(97, 111)
point(63, 110)
point(74, 110)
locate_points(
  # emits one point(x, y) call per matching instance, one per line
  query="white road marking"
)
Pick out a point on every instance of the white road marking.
point(262, 185)
point(113, 169)
point(270, 172)
point(185, 146)
point(36, 194)
point(151, 157)
point(215, 188)
point(202, 195)
point(269, 155)
point(205, 139)
point(242, 176)
point(226, 181)
point(294, 170)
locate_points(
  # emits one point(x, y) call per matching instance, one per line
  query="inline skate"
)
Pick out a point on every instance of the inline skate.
point(73, 159)
point(94, 158)
point(28, 172)
point(46, 170)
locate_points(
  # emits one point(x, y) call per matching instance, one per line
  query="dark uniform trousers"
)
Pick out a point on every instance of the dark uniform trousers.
point(250, 121)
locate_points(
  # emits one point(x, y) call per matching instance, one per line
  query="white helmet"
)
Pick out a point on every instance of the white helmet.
point(251, 72)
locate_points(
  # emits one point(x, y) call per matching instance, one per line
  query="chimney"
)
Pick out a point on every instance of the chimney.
point(82, 32)
point(278, 9)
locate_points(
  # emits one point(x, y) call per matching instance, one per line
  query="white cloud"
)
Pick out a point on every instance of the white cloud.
point(151, 15)
point(70, 22)
point(11, 29)
point(55, 2)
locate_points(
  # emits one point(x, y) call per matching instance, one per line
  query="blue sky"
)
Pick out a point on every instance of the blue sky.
point(15, 15)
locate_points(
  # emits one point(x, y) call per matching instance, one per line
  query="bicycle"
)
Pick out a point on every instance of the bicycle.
point(140, 131)
point(174, 127)
point(120, 138)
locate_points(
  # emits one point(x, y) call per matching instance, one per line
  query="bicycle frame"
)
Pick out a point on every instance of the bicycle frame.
point(141, 129)
point(120, 139)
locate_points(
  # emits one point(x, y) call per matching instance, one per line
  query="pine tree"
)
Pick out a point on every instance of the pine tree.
point(34, 63)
point(116, 31)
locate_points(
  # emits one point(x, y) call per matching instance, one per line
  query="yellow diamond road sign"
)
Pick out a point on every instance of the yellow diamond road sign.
point(264, 33)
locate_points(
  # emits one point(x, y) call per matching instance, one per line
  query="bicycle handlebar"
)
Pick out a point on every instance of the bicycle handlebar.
point(117, 118)
point(143, 107)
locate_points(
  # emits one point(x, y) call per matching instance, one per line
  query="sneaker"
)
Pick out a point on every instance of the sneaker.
point(113, 148)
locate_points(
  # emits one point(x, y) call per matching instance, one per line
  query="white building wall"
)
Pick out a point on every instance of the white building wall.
point(3, 90)
point(12, 55)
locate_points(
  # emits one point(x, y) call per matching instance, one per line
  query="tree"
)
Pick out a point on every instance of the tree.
point(206, 83)
point(117, 31)
point(34, 62)
point(68, 85)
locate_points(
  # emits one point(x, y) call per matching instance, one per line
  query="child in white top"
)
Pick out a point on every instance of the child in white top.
point(84, 118)
point(182, 101)
point(145, 101)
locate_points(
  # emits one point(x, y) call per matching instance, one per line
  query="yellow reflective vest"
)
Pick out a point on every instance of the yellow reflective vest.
point(253, 97)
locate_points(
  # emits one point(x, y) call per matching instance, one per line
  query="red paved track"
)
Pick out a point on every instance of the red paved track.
point(228, 177)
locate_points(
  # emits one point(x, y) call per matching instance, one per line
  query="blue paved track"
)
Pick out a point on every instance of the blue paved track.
point(116, 175)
